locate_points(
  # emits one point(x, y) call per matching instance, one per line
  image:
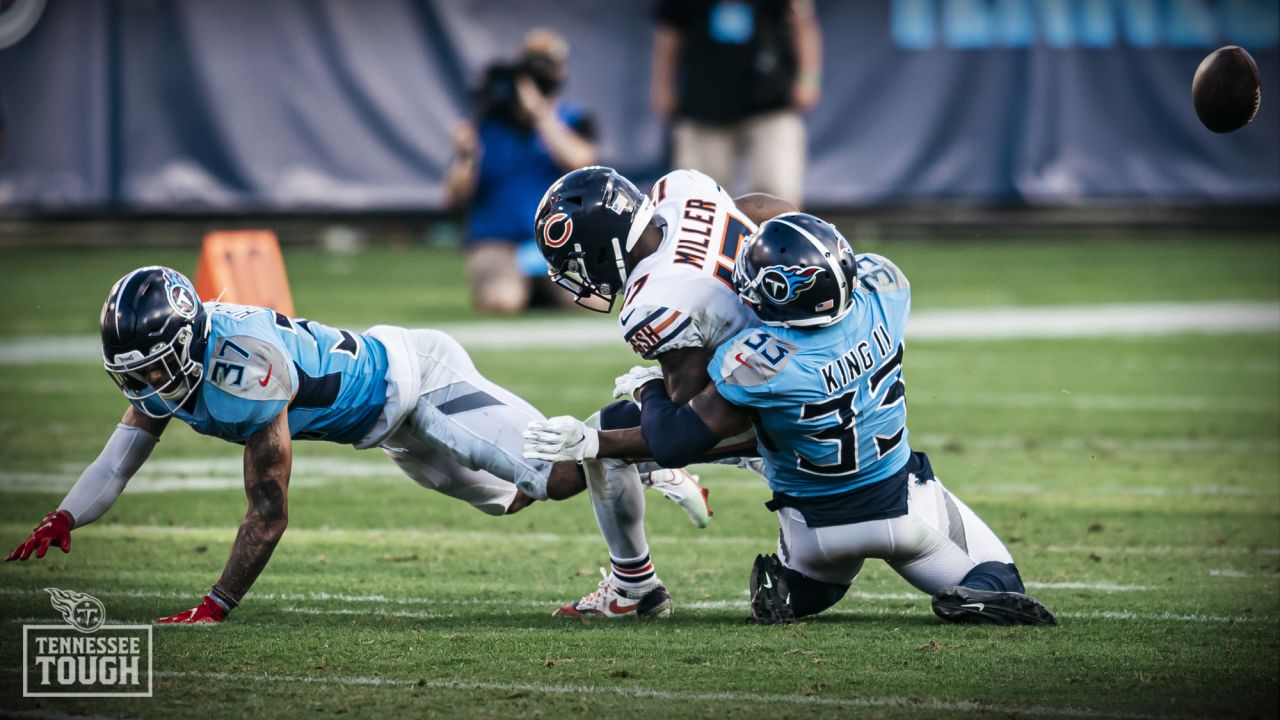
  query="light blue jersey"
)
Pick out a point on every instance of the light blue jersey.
point(258, 362)
point(830, 404)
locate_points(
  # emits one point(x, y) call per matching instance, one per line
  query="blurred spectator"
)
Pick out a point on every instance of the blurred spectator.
point(734, 76)
point(521, 138)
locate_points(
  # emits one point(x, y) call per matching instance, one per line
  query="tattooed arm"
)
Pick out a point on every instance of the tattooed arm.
point(268, 458)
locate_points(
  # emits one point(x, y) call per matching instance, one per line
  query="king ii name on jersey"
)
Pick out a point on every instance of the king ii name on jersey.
point(830, 403)
point(258, 362)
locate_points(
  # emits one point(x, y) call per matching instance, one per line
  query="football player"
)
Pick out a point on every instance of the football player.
point(669, 257)
point(822, 381)
point(254, 376)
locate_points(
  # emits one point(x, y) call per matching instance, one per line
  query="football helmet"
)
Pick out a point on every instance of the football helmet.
point(154, 333)
point(586, 223)
point(796, 270)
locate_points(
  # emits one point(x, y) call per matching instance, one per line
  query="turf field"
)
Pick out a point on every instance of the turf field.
point(1135, 479)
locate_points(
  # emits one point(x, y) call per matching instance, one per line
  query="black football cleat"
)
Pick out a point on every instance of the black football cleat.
point(959, 604)
point(770, 596)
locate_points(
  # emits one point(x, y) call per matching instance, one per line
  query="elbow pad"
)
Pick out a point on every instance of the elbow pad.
point(103, 481)
point(676, 435)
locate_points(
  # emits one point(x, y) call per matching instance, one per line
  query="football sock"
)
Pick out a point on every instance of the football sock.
point(635, 574)
point(619, 503)
point(809, 596)
point(994, 576)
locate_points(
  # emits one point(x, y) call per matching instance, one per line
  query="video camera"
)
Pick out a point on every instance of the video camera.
point(497, 97)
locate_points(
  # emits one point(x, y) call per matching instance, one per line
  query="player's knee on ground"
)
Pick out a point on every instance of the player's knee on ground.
point(994, 576)
point(809, 596)
point(565, 481)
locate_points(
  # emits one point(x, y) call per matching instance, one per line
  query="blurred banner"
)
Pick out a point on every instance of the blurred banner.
point(291, 105)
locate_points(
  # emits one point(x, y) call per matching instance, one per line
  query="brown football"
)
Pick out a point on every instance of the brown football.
point(1226, 89)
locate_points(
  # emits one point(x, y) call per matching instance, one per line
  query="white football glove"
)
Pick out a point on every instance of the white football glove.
point(560, 439)
point(627, 385)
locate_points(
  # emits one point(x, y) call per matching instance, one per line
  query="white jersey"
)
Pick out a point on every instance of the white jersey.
point(682, 295)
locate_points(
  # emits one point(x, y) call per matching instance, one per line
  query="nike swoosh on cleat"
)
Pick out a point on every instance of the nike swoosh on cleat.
point(979, 606)
point(622, 609)
point(768, 581)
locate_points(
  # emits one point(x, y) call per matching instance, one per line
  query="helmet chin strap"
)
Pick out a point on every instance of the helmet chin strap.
point(639, 222)
point(621, 259)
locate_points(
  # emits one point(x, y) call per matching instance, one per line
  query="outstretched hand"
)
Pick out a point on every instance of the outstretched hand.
point(560, 439)
point(54, 529)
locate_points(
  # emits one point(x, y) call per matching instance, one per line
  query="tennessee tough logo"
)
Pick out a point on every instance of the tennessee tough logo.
point(557, 230)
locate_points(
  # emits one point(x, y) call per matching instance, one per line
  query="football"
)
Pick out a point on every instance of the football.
point(1226, 89)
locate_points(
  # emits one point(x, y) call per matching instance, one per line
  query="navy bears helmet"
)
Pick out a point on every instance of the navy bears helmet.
point(154, 333)
point(797, 270)
point(586, 223)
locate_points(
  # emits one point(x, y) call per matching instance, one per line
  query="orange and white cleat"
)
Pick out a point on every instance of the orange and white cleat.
point(682, 488)
point(610, 601)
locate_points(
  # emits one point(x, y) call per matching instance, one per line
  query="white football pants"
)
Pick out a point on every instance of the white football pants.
point(463, 435)
point(933, 546)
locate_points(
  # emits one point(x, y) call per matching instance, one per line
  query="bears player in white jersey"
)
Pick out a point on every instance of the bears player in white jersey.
point(256, 377)
point(821, 380)
point(670, 257)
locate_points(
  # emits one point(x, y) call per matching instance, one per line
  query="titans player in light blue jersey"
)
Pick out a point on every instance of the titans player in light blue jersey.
point(256, 377)
point(822, 382)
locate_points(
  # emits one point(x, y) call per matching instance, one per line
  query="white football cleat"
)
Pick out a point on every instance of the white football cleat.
point(610, 601)
point(682, 488)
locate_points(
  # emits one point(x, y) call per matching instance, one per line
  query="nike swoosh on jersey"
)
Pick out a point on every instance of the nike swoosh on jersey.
point(263, 382)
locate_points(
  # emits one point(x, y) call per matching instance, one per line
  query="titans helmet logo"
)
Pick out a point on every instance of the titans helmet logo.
point(782, 284)
point(557, 230)
point(83, 612)
point(182, 297)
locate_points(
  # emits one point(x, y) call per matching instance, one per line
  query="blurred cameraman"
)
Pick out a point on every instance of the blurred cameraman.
point(522, 138)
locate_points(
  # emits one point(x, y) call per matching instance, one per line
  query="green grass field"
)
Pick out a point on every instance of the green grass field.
point(1135, 479)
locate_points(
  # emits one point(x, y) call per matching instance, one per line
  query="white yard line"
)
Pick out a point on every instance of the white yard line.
point(417, 614)
point(151, 480)
point(321, 603)
point(213, 473)
point(1157, 550)
point(1093, 402)
point(1068, 321)
point(498, 536)
point(1124, 490)
point(1071, 443)
point(326, 598)
point(223, 472)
